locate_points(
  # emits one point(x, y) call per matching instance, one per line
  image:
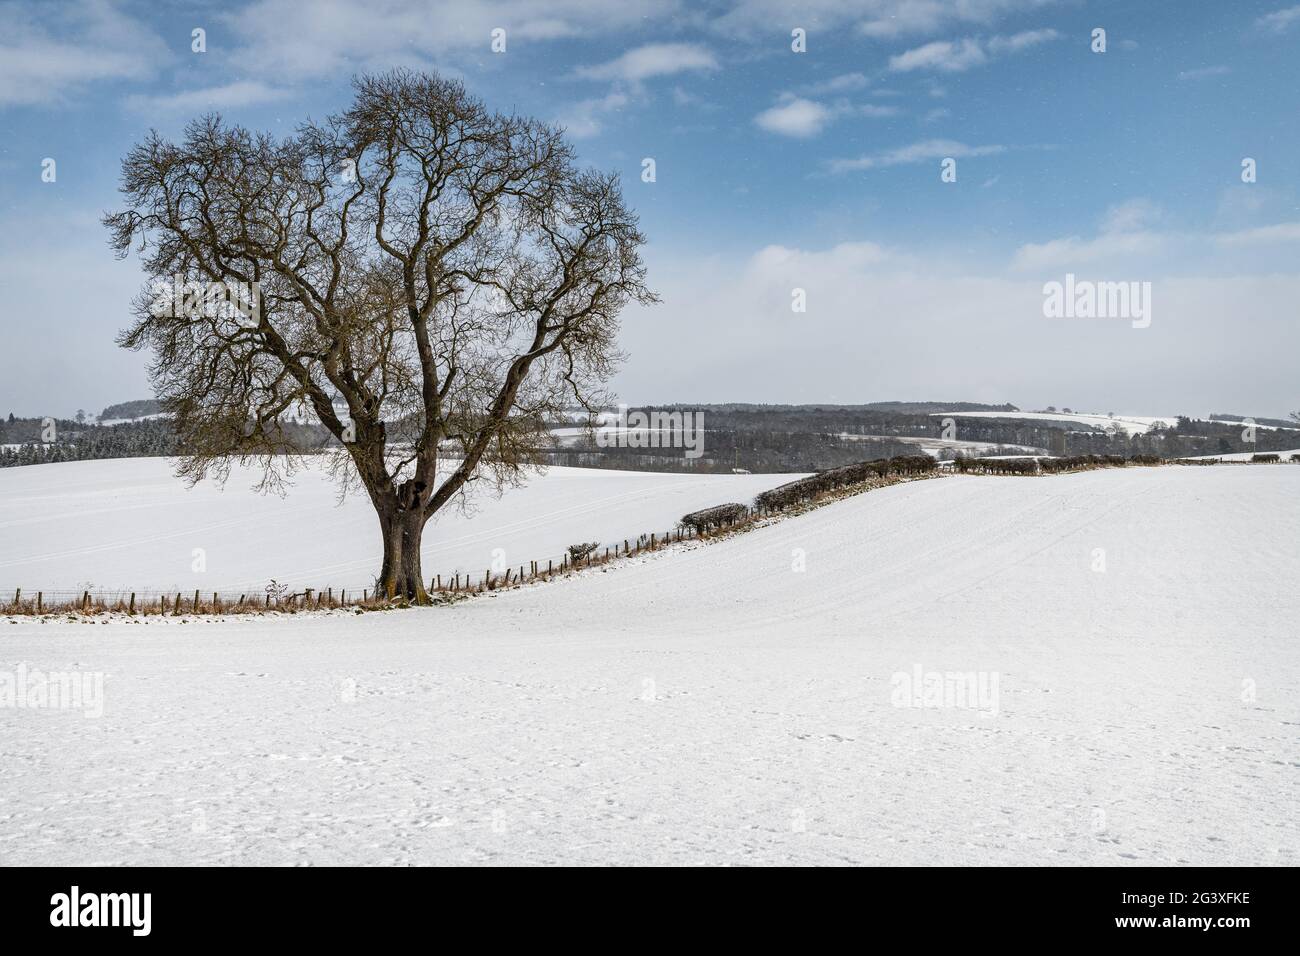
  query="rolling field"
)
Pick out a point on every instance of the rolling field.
point(1132, 634)
point(129, 524)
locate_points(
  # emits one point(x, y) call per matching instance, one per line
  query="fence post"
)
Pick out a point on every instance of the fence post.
point(40, 600)
point(18, 596)
point(131, 610)
point(216, 605)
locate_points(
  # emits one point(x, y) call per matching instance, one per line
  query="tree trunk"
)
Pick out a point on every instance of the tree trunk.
point(400, 576)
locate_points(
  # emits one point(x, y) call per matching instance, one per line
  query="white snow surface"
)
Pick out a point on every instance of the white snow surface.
point(130, 524)
point(709, 704)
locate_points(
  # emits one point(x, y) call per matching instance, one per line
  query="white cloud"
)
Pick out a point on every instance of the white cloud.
point(1279, 21)
point(886, 310)
point(844, 83)
point(801, 118)
point(946, 55)
point(796, 117)
point(1072, 252)
point(1204, 71)
point(1126, 238)
point(1131, 215)
point(653, 59)
point(49, 53)
point(1261, 235)
point(874, 18)
point(285, 40)
point(583, 120)
point(923, 151)
point(956, 56)
point(1020, 41)
point(900, 17)
point(229, 96)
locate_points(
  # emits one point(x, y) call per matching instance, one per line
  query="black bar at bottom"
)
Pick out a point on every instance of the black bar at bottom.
point(331, 906)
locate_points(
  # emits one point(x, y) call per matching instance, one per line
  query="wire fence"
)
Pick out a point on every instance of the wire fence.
point(19, 600)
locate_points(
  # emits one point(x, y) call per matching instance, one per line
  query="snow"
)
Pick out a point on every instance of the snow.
point(1284, 456)
point(109, 422)
point(1129, 424)
point(130, 524)
point(709, 704)
point(933, 446)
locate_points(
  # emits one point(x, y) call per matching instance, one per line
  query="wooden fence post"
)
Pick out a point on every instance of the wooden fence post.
point(131, 609)
point(40, 600)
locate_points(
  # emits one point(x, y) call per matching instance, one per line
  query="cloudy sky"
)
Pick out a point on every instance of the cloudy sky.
point(775, 171)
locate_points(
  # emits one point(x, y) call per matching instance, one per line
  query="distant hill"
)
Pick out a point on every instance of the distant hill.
point(136, 409)
point(1271, 422)
point(906, 408)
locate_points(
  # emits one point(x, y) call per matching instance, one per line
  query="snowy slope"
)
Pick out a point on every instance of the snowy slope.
point(716, 706)
point(129, 523)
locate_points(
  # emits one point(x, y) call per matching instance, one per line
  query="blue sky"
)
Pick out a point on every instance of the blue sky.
point(774, 170)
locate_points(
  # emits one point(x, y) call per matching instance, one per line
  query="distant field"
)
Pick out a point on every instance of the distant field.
point(129, 523)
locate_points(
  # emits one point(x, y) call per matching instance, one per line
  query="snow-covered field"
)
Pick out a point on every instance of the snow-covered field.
point(1284, 456)
point(1129, 424)
point(933, 446)
point(1132, 633)
point(130, 524)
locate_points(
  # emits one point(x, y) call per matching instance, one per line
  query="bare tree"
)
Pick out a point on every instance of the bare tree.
point(420, 273)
